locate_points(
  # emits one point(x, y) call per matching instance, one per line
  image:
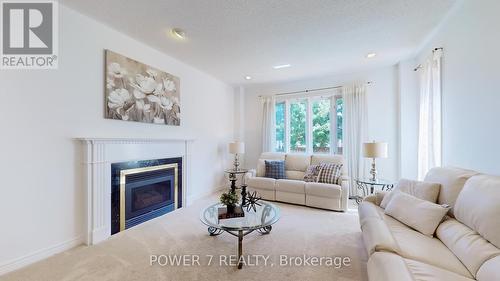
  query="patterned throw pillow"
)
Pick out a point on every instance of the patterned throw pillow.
point(312, 173)
point(330, 173)
point(275, 169)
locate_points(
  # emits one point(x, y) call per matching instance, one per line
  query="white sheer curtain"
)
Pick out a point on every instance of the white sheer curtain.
point(268, 124)
point(355, 126)
point(429, 130)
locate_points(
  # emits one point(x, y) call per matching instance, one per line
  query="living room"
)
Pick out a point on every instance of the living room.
point(222, 140)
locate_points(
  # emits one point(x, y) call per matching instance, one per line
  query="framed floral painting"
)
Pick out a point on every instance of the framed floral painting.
point(140, 93)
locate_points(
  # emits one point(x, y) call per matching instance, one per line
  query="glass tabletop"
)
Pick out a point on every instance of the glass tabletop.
point(265, 215)
point(377, 182)
point(239, 171)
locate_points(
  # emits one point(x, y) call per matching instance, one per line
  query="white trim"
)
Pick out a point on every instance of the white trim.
point(39, 255)
point(309, 126)
point(100, 153)
point(287, 126)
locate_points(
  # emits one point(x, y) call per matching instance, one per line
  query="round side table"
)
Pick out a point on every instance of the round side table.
point(368, 187)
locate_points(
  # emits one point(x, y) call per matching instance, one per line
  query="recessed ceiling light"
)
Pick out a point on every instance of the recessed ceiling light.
point(281, 66)
point(371, 55)
point(248, 77)
point(178, 33)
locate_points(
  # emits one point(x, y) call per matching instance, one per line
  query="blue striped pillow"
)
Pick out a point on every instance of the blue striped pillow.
point(275, 169)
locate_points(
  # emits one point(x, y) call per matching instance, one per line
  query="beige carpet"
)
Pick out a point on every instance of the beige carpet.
point(126, 256)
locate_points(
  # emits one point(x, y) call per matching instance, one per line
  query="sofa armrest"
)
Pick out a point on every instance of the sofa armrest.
point(251, 173)
point(345, 183)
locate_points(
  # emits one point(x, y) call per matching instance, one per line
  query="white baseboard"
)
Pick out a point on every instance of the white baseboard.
point(33, 257)
point(193, 197)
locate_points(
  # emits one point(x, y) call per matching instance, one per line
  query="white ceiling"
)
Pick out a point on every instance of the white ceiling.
point(230, 39)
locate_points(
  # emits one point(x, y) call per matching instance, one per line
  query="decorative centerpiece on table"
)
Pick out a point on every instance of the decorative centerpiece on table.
point(232, 209)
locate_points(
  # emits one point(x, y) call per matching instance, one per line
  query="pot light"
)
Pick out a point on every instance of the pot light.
point(371, 55)
point(281, 66)
point(248, 77)
point(178, 33)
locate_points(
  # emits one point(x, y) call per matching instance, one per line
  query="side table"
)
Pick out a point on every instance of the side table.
point(368, 187)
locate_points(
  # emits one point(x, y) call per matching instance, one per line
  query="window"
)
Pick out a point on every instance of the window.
point(298, 111)
point(321, 126)
point(309, 125)
point(280, 127)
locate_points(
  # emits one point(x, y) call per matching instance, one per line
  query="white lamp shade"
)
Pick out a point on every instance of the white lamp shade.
point(375, 150)
point(237, 147)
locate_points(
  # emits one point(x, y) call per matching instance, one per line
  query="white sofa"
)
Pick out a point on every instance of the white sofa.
point(294, 189)
point(466, 243)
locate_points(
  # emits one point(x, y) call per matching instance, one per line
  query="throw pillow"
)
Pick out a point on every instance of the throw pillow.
point(330, 173)
point(312, 173)
point(275, 169)
point(421, 215)
point(424, 190)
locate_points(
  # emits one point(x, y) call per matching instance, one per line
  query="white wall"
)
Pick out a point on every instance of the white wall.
point(408, 118)
point(471, 99)
point(382, 112)
point(41, 202)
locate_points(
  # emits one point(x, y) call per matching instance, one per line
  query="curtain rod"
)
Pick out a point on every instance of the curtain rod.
point(311, 90)
point(420, 65)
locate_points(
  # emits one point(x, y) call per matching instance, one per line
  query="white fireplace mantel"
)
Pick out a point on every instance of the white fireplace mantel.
point(100, 153)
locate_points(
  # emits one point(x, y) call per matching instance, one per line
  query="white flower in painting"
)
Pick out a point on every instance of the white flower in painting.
point(169, 85)
point(158, 120)
point(124, 117)
point(138, 94)
point(151, 72)
point(166, 103)
point(118, 98)
point(115, 70)
point(153, 99)
point(141, 106)
point(175, 100)
point(110, 83)
point(144, 84)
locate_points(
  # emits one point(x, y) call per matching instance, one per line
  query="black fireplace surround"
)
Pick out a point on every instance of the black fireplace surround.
point(148, 193)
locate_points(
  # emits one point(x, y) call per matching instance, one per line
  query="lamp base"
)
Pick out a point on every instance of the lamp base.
point(373, 171)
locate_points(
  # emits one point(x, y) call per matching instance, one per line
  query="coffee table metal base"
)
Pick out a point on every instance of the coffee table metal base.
point(240, 234)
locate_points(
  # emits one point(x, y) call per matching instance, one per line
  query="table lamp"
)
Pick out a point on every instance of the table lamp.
point(374, 150)
point(236, 148)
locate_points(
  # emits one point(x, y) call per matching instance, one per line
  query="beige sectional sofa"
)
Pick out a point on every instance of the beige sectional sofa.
point(294, 189)
point(465, 245)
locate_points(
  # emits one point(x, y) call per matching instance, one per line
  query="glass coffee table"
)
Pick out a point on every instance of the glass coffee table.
point(261, 220)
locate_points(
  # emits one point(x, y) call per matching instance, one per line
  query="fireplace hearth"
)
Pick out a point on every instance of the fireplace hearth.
point(143, 190)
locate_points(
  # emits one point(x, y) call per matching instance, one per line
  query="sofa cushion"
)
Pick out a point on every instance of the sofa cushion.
point(261, 183)
point(423, 190)
point(390, 267)
point(470, 248)
point(419, 214)
point(261, 166)
point(293, 186)
point(330, 173)
point(275, 169)
point(323, 189)
point(317, 159)
point(294, 175)
point(478, 206)
point(490, 270)
point(452, 181)
point(417, 246)
point(311, 174)
point(384, 233)
point(297, 162)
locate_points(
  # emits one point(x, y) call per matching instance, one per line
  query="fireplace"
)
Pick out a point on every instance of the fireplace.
point(143, 190)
